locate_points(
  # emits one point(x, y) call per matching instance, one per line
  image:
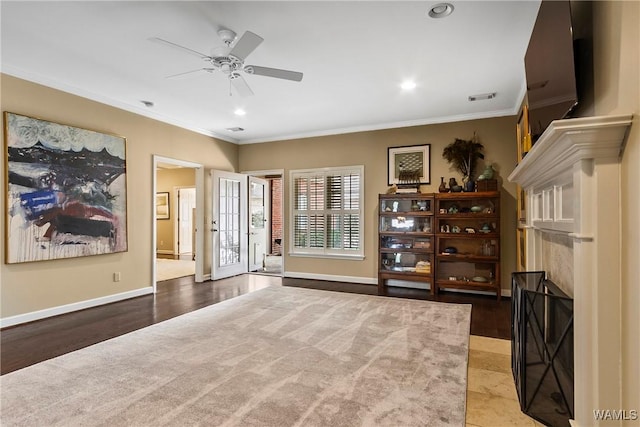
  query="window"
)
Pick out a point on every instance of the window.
point(327, 207)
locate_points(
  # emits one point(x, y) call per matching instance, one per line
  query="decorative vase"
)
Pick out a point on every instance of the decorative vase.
point(453, 185)
point(443, 187)
point(470, 186)
point(488, 173)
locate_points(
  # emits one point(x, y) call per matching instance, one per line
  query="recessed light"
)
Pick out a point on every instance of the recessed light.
point(239, 112)
point(408, 85)
point(480, 96)
point(441, 10)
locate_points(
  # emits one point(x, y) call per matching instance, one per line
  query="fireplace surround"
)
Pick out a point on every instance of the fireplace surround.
point(571, 178)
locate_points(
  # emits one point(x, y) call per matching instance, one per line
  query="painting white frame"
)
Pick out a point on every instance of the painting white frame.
point(397, 154)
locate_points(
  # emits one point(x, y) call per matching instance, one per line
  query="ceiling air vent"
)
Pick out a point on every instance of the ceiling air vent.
point(481, 96)
point(235, 129)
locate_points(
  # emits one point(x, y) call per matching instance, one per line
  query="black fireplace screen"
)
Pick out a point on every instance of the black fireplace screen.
point(542, 348)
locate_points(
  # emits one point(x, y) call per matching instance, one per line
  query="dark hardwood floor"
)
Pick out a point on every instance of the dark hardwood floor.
point(27, 344)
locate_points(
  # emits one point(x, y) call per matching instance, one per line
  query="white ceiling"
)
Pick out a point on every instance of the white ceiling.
point(354, 56)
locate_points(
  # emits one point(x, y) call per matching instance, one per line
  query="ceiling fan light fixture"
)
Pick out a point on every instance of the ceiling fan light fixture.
point(441, 10)
point(227, 36)
point(231, 63)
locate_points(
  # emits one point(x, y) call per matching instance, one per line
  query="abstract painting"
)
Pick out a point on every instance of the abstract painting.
point(66, 193)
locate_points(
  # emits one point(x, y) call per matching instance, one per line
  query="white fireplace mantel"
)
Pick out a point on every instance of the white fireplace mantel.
point(571, 178)
point(565, 142)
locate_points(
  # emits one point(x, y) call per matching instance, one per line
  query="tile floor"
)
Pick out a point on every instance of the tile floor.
point(492, 400)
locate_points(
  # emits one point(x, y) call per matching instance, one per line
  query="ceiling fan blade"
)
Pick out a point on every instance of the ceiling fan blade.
point(240, 84)
point(190, 73)
point(177, 46)
point(273, 72)
point(247, 44)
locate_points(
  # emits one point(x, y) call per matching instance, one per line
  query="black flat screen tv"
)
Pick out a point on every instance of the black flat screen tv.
point(559, 64)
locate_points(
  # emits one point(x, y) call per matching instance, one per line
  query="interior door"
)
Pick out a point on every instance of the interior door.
point(229, 228)
point(186, 206)
point(258, 221)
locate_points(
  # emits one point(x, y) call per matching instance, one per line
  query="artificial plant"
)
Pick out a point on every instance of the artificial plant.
point(463, 155)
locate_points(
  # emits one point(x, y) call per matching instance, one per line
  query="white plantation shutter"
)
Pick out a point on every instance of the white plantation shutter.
point(327, 211)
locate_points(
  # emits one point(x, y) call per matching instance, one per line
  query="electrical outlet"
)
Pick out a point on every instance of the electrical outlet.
point(116, 276)
point(161, 242)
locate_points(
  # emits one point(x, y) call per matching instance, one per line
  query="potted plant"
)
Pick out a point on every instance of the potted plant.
point(463, 155)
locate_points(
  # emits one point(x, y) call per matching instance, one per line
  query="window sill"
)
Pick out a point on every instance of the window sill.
point(328, 256)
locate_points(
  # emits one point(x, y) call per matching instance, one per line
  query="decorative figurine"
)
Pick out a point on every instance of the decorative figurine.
point(488, 173)
point(443, 187)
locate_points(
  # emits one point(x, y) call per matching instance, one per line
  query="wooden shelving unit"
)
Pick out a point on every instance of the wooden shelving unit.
point(406, 239)
point(467, 232)
point(447, 240)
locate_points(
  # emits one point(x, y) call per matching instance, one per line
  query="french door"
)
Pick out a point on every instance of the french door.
point(258, 221)
point(229, 227)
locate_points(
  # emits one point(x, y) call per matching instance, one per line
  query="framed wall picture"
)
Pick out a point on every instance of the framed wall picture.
point(162, 205)
point(409, 165)
point(521, 249)
point(66, 192)
point(523, 135)
point(521, 199)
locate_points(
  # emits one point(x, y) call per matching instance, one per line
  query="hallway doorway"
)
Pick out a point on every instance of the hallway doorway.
point(178, 242)
point(273, 260)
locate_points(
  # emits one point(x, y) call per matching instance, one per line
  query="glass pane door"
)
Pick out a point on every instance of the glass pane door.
point(229, 224)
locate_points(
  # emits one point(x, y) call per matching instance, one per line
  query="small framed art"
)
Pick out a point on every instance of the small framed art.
point(409, 165)
point(162, 205)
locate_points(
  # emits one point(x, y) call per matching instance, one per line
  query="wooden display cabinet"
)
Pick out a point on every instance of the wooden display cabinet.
point(406, 241)
point(467, 231)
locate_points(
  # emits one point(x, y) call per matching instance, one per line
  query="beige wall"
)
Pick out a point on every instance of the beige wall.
point(168, 180)
point(617, 90)
point(42, 285)
point(370, 150)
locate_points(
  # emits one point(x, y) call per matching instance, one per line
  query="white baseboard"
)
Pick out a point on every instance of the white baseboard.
point(332, 277)
point(164, 252)
point(68, 308)
point(374, 281)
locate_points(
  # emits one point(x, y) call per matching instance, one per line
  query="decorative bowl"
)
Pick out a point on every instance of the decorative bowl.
point(476, 208)
point(450, 250)
point(479, 279)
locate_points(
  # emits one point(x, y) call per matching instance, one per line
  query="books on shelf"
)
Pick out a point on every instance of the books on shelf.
point(407, 190)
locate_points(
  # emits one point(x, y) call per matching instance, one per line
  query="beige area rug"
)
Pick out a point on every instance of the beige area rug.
point(173, 268)
point(281, 356)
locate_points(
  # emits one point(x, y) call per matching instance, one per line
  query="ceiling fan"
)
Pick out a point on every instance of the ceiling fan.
point(230, 61)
